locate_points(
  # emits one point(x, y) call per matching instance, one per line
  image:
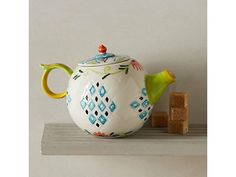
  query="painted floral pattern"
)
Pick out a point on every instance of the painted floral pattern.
point(108, 70)
point(136, 65)
point(112, 135)
point(100, 134)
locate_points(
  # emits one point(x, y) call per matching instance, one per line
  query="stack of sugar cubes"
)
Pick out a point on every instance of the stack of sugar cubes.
point(179, 113)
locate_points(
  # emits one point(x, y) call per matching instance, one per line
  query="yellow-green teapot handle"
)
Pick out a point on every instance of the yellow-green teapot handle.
point(47, 69)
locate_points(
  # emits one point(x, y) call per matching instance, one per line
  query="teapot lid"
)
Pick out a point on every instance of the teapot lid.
point(104, 58)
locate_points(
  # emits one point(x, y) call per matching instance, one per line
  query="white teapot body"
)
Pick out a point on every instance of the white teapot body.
point(109, 100)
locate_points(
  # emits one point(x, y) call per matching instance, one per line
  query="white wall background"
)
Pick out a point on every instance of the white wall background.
point(160, 34)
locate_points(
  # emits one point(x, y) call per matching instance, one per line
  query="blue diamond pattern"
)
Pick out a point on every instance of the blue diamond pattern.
point(143, 114)
point(83, 103)
point(101, 106)
point(68, 99)
point(92, 119)
point(102, 91)
point(112, 107)
point(134, 104)
point(91, 105)
point(143, 106)
point(144, 91)
point(92, 90)
point(102, 119)
point(145, 103)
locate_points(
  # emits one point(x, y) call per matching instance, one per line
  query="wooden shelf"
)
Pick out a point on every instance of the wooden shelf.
point(68, 139)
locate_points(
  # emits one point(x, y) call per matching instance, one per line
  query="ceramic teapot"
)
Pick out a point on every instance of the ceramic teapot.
point(109, 95)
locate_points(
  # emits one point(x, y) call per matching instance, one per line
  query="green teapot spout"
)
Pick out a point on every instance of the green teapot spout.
point(156, 84)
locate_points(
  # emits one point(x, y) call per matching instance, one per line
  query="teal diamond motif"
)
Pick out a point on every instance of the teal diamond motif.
point(112, 106)
point(101, 106)
point(68, 99)
point(92, 90)
point(134, 104)
point(143, 114)
point(145, 103)
point(92, 119)
point(102, 91)
point(102, 119)
point(83, 103)
point(144, 91)
point(91, 105)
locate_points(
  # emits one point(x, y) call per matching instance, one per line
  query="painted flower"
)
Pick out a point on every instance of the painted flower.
point(136, 65)
point(99, 134)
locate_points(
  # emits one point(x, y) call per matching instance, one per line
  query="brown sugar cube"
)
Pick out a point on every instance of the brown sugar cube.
point(179, 113)
point(178, 126)
point(178, 99)
point(159, 119)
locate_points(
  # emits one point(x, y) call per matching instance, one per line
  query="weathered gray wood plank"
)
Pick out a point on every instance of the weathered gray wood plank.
point(68, 139)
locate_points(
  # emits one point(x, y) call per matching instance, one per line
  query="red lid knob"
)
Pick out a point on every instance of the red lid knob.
point(102, 49)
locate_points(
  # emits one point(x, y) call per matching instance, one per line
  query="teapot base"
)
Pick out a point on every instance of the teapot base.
point(112, 135)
